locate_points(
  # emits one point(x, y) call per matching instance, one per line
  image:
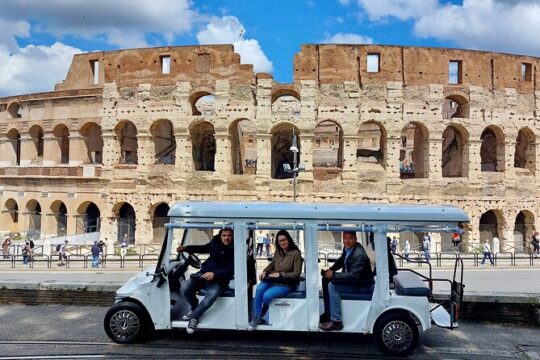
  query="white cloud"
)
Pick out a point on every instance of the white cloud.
point(401, 9)
point(228, 30)
point(118, 22)
point(347, 38)
point(504, 25)
point(34, 68)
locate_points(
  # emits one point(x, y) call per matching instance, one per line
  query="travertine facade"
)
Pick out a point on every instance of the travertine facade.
point(124, 136)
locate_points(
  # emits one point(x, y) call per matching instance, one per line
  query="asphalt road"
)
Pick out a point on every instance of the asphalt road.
point(481, 280)
point(71, 332)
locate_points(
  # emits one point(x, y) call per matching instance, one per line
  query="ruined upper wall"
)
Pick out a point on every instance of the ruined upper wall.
point(202, 65)
point(414, 66)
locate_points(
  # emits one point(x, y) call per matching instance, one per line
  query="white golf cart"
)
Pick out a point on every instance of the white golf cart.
point(393, 309)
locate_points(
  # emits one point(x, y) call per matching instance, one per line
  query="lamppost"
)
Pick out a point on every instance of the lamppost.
point(296, 166)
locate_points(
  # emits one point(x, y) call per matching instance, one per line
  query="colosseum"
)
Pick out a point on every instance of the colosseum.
point(129, 132)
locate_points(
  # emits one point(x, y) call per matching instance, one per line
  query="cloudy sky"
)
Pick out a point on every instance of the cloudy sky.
point(39, 37)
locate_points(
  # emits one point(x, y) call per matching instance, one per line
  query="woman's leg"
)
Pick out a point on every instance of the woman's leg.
point(259, 294)
point(275, 291)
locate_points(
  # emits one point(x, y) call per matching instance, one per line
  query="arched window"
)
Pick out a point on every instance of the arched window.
point(33, 209)
point(455, 106)
point(61, 132)
point(489, 226)
point(203, 103)
point(492, 149)
point(282, 135)
point(126, 133)
point(371, 143)
point(14, 138)
point(286, 105)
point(94, 143)
point(10, 216)
point(203, 146)
point(88, 218)
point(523, 230)
point(15, 110)
point(126, 223)
point(327, 150)
point(59, 211)
point(525, 155)
point(243, 147)
point(36, 134)
point(414, 154)
point(164, 142)
point(159, 219)
point(455, 156)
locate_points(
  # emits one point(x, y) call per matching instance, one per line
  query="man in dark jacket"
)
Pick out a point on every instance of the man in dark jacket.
point(213, 278)
point(355, 276)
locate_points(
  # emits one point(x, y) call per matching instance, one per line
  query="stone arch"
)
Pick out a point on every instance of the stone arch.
point(414, 153)
point(33, 210)
point(492, 149)
point(10, 216)
point(203, 103)
point(15, 110)
point(88, 218)
point(126, 221)
point(491, 225)
point(126, 133)
point(523, 230)
point(14, 155)
point(243, 135)
point(61, 133)
point(285, 92)
point(455, 152)
point(164, 142)
point(371, 143)
point(327, 150)
point(60, 214)
point(281, 144)
point(93, 141)
point(525, 154)
point(455, 106)
point(287, 105)
point(160, 216)
point(36, 134)
point(203, 146)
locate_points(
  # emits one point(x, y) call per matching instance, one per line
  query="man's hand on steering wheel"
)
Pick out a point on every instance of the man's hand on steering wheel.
point(181, 248)
point(208, 276)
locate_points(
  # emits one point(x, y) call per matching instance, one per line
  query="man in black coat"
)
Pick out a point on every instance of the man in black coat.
point(214, 276)
point(355, 276)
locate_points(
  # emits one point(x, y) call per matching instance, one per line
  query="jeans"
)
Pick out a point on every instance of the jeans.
point(267, 247)
point(211, 293)
point(259, 250)
point(426, 255)
point(332, 297)
point(406, 256)
point(266, 291)
point(487, 255)
point(26, 259)
point(95, 261)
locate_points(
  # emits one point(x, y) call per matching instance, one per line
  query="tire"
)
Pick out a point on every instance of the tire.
point(396, 334)
point(126, 323)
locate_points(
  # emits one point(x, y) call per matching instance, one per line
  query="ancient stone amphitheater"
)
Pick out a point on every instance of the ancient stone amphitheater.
point(129, 132)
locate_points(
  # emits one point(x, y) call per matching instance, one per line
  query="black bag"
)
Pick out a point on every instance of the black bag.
point(31, 244)
point(58, 247)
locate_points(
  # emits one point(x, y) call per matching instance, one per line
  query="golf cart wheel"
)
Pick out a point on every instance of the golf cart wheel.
point(396, 334)
point(126, 323)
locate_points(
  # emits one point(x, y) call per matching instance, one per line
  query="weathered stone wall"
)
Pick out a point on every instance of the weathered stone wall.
point(331, 85)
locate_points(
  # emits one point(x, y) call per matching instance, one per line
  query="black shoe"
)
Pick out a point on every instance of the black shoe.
point(331, 326)
point(325, 317)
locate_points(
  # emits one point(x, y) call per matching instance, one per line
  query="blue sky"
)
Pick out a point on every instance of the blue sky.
point(38, 38)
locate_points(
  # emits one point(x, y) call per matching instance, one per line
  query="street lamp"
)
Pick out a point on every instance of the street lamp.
point(296, 167)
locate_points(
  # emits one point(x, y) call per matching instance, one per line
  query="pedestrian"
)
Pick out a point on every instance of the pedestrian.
point(456, 239)
point(407, 250)
point(95, 254)
point(124, 246)
point(486, 249)
point(536, 244)
point(426, 245)
point(26, 253)
point(5, 247)
point(266, 242)
point(260, 244)
point(62, 253)
point(393, 245)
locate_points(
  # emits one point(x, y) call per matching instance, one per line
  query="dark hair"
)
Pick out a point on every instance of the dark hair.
point(353, 233)
point(292, 245)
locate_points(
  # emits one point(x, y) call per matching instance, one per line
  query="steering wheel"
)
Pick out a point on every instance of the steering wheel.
point(192, 260)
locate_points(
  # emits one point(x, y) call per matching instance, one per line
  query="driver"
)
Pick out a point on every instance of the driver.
point(213, 277)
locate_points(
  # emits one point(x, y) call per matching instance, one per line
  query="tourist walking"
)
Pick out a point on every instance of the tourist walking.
point(267, 242)
point(124, 246)
point(407, 250)
point(486, 249)
point(5, 247)
point(62, 253)
point(536, 244)
point(27, 253)
point(393, 245)
point(260, 244)
point(95, 254)
point(426, 244)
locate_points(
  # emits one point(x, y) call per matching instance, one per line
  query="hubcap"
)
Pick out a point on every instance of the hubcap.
point(397, 335)
point(124, 324)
